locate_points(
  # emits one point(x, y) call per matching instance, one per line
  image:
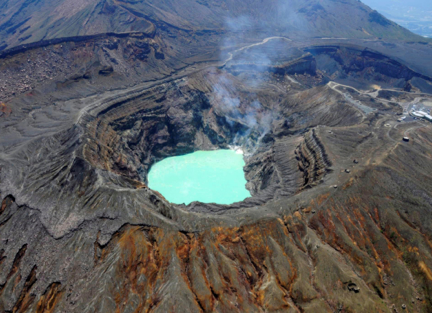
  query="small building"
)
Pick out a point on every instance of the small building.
point(428, 117)
point(418, 114)
point(406, 139)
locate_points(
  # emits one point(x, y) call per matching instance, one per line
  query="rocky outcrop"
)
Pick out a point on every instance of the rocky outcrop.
point(76, 39)
point(351, 60)
point(313, 160)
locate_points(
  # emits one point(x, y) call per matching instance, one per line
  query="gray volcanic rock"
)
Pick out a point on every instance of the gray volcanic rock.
point(82, 120)
point(24, 22)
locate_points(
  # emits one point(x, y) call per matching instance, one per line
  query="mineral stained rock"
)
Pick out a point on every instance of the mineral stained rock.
point(92, 95)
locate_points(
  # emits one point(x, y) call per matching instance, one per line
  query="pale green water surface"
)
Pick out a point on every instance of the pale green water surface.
point(205, 176)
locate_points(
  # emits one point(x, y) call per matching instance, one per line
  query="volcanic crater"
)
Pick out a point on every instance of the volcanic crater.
point(340, 213)
point(203, 112)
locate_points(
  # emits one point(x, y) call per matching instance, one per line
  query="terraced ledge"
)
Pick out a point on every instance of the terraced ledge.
point(312, 159)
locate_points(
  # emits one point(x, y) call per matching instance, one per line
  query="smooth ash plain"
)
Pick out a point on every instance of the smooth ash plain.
point(204, 176)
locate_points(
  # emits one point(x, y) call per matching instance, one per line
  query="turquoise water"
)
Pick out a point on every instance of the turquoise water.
point(205, 176)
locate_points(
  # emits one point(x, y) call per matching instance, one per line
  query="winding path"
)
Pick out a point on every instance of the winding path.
point(231, 54)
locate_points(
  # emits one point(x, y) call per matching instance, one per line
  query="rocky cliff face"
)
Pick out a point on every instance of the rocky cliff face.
point(340, 214)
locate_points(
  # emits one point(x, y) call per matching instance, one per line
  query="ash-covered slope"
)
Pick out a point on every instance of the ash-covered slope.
point(340, 214)
point(24, 21)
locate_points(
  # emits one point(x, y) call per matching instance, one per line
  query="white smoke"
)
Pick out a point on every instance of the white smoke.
point(249, 39)
point(255, 120)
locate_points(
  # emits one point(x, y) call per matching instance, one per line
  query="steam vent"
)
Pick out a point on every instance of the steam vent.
point(310, 100)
